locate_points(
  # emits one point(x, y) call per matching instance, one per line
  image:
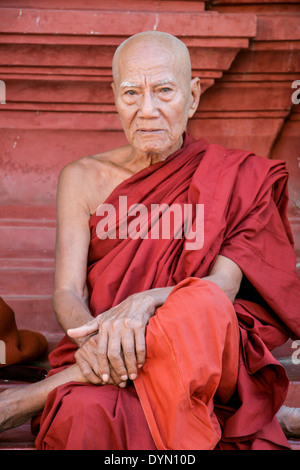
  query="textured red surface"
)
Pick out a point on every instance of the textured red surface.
point(55, 60)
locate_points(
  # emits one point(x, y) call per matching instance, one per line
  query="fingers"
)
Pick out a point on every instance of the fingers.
point(88, 364)
point(87, 359)
point(121, 353)
point(103, 363)
point(110, 354)
point(121, 345)
point(140, 346)
point(84, 330)
point(114, 379)
point(122, 349)
point(134, 349)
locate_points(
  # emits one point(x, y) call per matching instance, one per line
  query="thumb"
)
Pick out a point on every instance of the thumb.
point(84, 330)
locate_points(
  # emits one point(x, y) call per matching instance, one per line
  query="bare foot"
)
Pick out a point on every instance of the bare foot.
point(19, 404)
point(13, 409)
point(289, 420)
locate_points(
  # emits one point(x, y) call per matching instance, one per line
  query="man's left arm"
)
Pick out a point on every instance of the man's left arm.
point(122, 328)
point(227, 275)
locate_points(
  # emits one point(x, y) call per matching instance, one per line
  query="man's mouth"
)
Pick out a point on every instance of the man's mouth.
point(149, 131)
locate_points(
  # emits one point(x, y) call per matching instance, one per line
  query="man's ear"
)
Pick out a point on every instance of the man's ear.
point(195, 90)
point(113, 87)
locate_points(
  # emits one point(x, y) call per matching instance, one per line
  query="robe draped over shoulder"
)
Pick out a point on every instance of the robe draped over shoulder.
point(244, 199)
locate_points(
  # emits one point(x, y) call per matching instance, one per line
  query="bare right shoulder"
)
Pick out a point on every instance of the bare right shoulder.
point(81, 184)
point(72, 234)
point(88, 181)
point(71, 185)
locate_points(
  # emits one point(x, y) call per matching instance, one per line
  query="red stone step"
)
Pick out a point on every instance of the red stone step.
point(30, 280)
point(27, 238)
point(289, 355)
point(293, 396)
point(20, 438)
point(295, 444)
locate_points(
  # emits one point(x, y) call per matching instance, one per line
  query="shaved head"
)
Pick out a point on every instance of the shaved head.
point(149, 39)
point(154, 92)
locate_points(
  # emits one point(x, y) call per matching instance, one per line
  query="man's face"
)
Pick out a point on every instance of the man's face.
point(153, 98)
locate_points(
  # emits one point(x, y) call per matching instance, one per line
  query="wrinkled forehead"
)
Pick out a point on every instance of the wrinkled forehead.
point(144, 59)
point(161, 60)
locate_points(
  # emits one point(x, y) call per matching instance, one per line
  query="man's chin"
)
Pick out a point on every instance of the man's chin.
point(155, 143)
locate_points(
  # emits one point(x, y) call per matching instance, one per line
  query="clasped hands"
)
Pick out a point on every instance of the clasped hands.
point(114, 344)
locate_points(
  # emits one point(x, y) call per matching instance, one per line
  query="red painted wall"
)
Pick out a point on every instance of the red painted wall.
point(55, 60)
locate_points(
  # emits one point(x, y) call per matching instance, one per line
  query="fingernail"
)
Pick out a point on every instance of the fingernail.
point(122, 384)
point(133, 376)
point(124, 377)
point(105, 377)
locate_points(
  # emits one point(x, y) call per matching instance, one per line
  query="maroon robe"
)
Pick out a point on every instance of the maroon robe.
point(245, 201)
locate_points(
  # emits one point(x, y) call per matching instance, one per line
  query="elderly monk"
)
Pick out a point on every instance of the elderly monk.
point(167, 346)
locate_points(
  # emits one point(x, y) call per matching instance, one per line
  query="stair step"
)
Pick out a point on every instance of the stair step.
point(295, 444)
point(289, 356)
point(27, 232)
point(27, 242)
point(293, 396)
point(19, 438)
point(30, 280)
point(34, 313)
point(32, 212)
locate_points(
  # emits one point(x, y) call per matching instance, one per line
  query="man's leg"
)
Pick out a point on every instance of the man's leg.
point(185, 316)
point(90, 417)
point(192, 357)
point(18, 405)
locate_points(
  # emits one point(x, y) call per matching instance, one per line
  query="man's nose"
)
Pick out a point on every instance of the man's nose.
point(148, 106)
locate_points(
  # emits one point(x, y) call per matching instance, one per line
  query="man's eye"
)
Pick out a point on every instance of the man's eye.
point(130, 92)
point(165, 90)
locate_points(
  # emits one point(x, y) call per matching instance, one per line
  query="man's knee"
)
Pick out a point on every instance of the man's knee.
point(199, 317)
point(195, 334)
point(193, 298)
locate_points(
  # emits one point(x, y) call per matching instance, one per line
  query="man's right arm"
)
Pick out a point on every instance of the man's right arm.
point(70, 298)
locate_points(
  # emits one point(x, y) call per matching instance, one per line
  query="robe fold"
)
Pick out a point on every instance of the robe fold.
point(245, 199)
